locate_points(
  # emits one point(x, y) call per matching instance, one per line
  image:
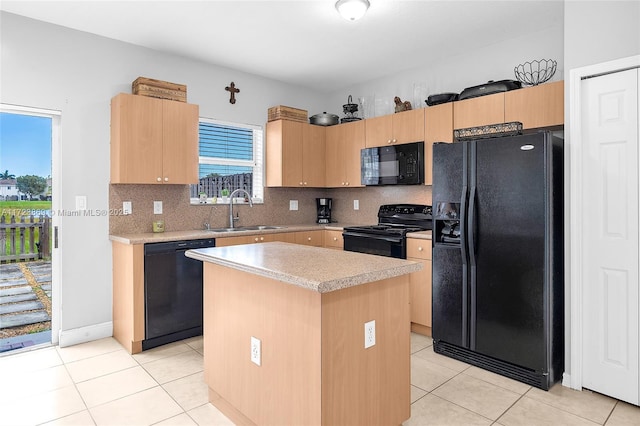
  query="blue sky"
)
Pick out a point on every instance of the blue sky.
point(25, 145)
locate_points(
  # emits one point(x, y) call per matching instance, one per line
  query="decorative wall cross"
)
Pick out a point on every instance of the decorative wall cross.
point(232, 89)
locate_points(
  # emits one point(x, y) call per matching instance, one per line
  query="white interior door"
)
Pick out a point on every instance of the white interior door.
point(610, 234)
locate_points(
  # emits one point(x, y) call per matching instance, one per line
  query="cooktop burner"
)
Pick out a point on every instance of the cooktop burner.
point(398, 219)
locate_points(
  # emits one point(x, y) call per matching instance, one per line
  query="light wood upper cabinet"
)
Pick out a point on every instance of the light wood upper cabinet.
point(438, 121)
point(344, 142)
point(536, 106)
point(295, 154)
point(402, 127)
point(153, 141)
point(478, 111)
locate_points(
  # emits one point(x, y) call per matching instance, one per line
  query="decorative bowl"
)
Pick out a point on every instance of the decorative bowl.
point(535, 72)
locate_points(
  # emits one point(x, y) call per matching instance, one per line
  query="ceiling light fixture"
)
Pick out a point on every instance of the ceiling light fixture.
point(352, 10)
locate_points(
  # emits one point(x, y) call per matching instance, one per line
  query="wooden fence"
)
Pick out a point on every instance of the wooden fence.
point(213, 185)
point(28, 239)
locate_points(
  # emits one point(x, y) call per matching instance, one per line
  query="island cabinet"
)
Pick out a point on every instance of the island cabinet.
point(153, 141)
point(419, 250)
point(295, 154)
point(305, 309)
point(344, 142)
point(402, 127)
point(536, 106)
point(438, 127)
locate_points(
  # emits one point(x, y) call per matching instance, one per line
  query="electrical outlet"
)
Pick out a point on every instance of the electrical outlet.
point(157, 207)
point(293, 204)
point(81, 202)
point(356, 204)
point(256, 351)
point(126, 207)
point(369, 334)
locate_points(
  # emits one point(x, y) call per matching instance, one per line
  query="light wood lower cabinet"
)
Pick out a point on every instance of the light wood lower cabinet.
point(419, 250)
point(128, 295)
point(309, 238)
point(333, 240)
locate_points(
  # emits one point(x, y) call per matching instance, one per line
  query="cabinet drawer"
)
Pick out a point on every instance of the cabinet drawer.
point(418, 248)
point(333, 239)
point(309, 238)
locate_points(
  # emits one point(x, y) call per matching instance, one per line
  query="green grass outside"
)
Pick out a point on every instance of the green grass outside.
point(23, 208)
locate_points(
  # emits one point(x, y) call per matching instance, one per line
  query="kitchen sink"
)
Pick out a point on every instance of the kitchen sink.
point(246, 228)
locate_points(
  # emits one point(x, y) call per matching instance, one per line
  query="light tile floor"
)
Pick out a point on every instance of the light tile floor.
point(99, 383)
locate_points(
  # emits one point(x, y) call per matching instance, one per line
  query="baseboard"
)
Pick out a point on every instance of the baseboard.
point(85, 334)
point(566, 382)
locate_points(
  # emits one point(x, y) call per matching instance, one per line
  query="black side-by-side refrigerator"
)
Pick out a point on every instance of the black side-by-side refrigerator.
point(498, 276)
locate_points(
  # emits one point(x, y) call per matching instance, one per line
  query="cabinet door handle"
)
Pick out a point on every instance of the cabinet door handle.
point(419, 248)
point(159, 179)
point(394, 141)
point(305, 183)
point(335, 238)
point(166, 179)
point(347, 183)
point(308, 238)
point(388, 141)
point(255, 239)
point(300, 184)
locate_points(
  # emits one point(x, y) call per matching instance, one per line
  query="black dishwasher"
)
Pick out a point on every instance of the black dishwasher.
point(172, 292)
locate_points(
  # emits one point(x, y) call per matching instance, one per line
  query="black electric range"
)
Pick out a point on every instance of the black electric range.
point(388, 237)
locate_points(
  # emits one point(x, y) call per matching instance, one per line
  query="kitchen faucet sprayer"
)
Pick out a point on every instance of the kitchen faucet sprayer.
point(231, 218)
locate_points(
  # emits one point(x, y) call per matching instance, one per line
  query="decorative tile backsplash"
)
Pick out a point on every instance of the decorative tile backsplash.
point(178, 214)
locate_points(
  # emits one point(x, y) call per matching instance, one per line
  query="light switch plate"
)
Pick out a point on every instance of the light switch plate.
point(293, 204)
point(157, 207)
point(126, 207)
point(81, 202)
point(356, 204)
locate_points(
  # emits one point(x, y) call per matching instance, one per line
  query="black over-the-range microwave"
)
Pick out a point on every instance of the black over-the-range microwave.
point(401, 164)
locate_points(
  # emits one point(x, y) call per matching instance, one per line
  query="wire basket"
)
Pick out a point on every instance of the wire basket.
point(536, 72)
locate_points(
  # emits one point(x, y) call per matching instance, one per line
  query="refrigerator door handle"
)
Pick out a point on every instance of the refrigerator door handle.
point(465, 257)
point(471, 226)
point(463, 218)
point(471, 229)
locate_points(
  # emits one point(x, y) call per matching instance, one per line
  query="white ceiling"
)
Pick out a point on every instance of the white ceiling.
point(302, 42)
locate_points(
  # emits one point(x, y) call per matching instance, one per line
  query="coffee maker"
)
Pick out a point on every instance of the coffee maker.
point(324, 210)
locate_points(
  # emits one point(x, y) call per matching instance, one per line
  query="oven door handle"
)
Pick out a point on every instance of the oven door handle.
point(373, 237)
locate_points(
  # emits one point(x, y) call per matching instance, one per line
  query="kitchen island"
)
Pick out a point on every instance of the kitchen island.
point(308, 307)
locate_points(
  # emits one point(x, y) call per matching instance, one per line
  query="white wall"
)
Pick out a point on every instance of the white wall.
point(52, 67)
point(594, 32)
point(455, 73)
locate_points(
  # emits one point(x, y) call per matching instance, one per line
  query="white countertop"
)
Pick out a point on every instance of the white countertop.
point(315, 268)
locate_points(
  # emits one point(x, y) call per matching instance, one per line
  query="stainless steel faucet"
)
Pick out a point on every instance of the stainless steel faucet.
point(231, 218)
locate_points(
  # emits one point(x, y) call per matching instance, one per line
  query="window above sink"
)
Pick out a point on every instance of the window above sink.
point(230, 157)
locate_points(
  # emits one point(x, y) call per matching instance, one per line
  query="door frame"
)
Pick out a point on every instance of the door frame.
point(573, 222)
point(56, 202)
